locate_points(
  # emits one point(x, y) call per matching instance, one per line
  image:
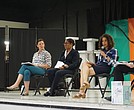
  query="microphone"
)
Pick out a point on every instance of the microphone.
point(102, 47)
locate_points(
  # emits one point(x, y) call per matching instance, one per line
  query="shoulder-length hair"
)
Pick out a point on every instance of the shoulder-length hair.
point(109, 39)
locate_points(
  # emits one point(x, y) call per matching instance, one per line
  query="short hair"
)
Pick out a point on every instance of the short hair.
point(38, 40)
point(71, 41)
point(109, 39)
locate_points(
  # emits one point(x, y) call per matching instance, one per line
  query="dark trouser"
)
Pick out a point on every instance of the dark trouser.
point(55, 75)
point(119, 70)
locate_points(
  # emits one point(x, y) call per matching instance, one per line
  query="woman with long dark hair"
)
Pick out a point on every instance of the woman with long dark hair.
point(107, 56)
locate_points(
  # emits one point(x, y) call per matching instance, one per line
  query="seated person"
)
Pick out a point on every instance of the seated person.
point(70, 58)
point(107, 57)
point(119, 71)
point(40, 62)
point(123, 68)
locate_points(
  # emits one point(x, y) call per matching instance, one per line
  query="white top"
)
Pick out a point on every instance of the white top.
point(85, 52)
point(74, 38)
point(90, 39)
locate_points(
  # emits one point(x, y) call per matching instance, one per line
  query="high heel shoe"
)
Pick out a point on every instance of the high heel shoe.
point(25, 94)
point(80, 95)
point(12, 88)
point(85, 86)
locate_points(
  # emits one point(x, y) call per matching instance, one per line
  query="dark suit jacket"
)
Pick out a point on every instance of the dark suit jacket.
point(72, 59)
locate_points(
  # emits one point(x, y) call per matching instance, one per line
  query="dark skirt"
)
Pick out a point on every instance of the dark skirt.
point(99, 69)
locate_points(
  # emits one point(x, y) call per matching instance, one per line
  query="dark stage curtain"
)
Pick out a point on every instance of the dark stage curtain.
point(22, 47)
point(100, 15)
point(95, 25)
point(54, 39)
point(106, 11)
point(115, 10)
point(2, 59)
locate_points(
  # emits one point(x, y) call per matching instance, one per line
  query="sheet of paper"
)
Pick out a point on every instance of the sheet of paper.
point(120, 63)
point(59, 64)
point(26, 63)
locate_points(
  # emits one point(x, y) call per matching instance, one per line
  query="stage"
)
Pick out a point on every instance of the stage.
point(93, 101)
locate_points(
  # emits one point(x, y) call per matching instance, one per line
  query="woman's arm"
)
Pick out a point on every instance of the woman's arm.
point(105, 55)
point(112, 56)
point(46, 66)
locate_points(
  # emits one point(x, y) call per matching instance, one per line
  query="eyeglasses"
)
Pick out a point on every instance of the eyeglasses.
point(65, 43)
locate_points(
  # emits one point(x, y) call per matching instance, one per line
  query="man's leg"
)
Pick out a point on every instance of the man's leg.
point(58, 75)
point(119, 70)
point(51, 74)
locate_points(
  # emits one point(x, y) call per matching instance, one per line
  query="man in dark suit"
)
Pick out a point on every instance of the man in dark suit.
point(70, 61)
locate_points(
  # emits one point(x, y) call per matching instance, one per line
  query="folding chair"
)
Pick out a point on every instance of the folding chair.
point(68, 84)
point(132, 85)
point(103, 75)
point(108, 76)
point(132, 82)
point(38, 80)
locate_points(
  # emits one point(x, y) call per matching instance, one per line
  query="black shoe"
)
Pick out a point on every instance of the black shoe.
point(47, 94)
point(108, 98)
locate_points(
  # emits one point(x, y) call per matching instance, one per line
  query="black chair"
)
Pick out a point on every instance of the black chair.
point(103, 75)
point(132, 84)
point(68, 84)
point(38, 80)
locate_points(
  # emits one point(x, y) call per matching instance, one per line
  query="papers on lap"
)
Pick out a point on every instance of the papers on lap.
point(26, 63)
point(59, 64)
point(120, 63)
